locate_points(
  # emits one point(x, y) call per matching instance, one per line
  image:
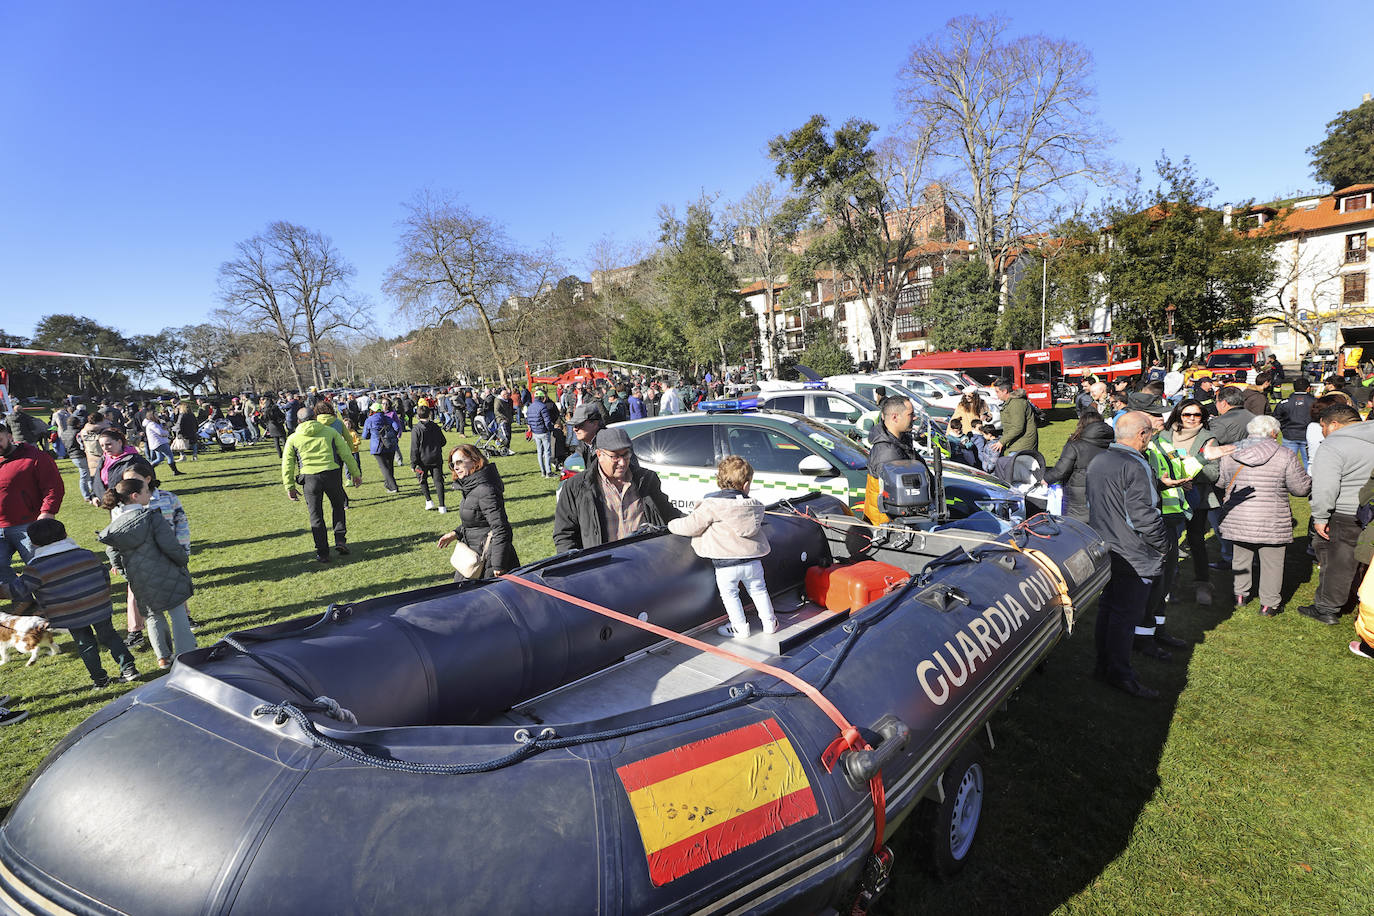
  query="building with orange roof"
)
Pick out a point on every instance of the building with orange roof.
point(1323, 248)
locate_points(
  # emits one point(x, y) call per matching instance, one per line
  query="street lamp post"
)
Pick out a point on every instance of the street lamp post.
point(1044, 294)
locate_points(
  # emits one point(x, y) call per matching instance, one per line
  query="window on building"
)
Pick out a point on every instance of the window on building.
point(847, 286)
point(1354, 202)
point(839, 312)
point(1354, 292)
point(909, 327)
point(1354, 247)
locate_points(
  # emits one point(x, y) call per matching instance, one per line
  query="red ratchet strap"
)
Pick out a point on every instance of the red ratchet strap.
point(849, 735)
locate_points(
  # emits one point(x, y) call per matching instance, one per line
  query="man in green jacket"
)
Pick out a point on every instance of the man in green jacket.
point(314, 458)
point(1019, 433)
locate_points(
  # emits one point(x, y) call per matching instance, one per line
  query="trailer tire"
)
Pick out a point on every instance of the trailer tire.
point(949, 828)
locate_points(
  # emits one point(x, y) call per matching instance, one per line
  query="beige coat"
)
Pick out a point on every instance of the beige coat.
point(726, 525)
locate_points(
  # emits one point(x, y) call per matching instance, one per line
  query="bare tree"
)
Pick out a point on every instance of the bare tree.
point(765, 225)
point(316, 278)
point(450, 262)
point(1306, 291)
point(1016, 117)
point(249, 289)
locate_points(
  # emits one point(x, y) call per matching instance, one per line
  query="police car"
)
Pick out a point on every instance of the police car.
point(791, 454)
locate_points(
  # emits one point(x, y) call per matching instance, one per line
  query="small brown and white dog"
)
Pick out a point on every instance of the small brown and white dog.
point(25, 634)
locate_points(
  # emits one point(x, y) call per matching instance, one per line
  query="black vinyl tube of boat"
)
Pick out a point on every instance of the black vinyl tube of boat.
point(741, 695)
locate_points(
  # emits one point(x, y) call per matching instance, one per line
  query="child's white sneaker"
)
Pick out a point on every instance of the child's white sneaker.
point(443, 509)
point(770, 627)
point(429, 504)
point(730, 631)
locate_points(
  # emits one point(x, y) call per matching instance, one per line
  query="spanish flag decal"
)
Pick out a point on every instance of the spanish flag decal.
point(699, 802)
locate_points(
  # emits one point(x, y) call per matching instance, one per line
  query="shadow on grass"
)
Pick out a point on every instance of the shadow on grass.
point(1054, 816)
point(303, 561)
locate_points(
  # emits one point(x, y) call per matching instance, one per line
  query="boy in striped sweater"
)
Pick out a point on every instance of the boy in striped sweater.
point(70, 587)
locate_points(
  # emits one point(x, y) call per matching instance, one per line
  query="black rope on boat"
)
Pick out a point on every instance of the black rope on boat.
point(296, 712)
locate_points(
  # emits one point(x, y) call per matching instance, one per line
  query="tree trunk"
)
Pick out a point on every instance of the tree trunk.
point(491, 342)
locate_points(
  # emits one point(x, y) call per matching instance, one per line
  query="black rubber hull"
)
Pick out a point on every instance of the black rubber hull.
point(178, 799)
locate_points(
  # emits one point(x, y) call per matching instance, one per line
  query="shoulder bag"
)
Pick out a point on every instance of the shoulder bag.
point(466, 561)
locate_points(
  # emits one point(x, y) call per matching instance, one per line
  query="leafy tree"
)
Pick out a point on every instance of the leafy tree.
point(75, 334)
point(1015, 116)
point(1346, 155)
point(825, 350)
point(871, 200)
point(1170, 249)
point(963, 308)
point(697, 284)
point(649, 335)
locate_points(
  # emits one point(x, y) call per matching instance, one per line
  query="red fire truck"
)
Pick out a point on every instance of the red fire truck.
point(1053, 372)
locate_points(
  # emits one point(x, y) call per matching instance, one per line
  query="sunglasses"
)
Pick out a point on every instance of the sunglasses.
point(1192, 416)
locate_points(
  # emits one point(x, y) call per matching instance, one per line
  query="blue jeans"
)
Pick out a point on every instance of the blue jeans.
point(14, 539)
point(543, 445)
point(1214, 519)
point(83, 471)
point(750, 575)
point(1299, 446)
point(164, 453)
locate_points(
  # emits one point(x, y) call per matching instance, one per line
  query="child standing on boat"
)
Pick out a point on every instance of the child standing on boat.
point(726, 527)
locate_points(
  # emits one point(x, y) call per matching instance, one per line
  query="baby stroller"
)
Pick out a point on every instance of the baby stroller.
point(219, 431)
point(491, 444)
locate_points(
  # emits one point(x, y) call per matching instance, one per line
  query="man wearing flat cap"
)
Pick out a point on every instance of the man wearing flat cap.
point(586, 421)
point(611, 499)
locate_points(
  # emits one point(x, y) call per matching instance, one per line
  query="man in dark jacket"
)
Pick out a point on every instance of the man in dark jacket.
point(610, 500)
point(1294, 413)
point(889, 441)
point(1124, 509)
point(1232, 417)
point(541, 417)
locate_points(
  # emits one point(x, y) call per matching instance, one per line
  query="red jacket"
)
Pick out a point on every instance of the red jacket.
point(30, 485)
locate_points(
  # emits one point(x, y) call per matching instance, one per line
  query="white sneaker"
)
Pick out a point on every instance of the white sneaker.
point(429, 504)
point(770, 627)
point(730, 631)
point(443, 510)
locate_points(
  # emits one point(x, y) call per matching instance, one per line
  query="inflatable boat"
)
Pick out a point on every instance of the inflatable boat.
point(574, 737)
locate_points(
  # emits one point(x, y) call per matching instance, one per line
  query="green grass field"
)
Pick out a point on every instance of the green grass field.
point(1240, 791)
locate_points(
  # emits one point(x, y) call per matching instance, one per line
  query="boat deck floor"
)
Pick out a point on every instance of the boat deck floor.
point(668, 669)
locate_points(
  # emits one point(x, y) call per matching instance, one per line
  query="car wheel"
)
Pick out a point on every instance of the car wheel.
point(948, 828)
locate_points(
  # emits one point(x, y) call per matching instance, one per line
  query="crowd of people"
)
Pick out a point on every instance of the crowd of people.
point(1152, 465)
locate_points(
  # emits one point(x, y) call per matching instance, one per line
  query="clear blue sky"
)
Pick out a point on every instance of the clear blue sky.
point(140, 141)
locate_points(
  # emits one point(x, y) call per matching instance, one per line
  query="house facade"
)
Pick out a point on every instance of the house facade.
point(831, 296)
point(1323, 278)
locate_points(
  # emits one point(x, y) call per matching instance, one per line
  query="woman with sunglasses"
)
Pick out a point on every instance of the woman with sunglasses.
point(1186, 432)
point(482, 511)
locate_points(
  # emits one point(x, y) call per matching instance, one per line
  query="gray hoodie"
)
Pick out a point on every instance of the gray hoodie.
point(1342, 466)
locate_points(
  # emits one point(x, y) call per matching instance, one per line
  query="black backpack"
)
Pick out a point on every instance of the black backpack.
point(1038, 416)
point(387, 433)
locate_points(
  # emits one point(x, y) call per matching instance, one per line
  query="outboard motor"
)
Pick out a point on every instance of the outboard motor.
point(906, 489)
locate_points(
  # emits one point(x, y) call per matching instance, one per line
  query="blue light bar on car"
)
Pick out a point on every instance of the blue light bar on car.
point(729, 405)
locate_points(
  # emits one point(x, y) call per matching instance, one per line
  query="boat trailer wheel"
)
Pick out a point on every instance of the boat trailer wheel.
point(952, 825)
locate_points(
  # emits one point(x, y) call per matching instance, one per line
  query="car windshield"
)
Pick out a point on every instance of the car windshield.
point(1240, 360)
point(1092, 355)
point(835, 443)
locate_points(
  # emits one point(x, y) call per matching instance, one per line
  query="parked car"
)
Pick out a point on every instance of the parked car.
point(790, 454)
point(868, 385)
point(851, 413)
